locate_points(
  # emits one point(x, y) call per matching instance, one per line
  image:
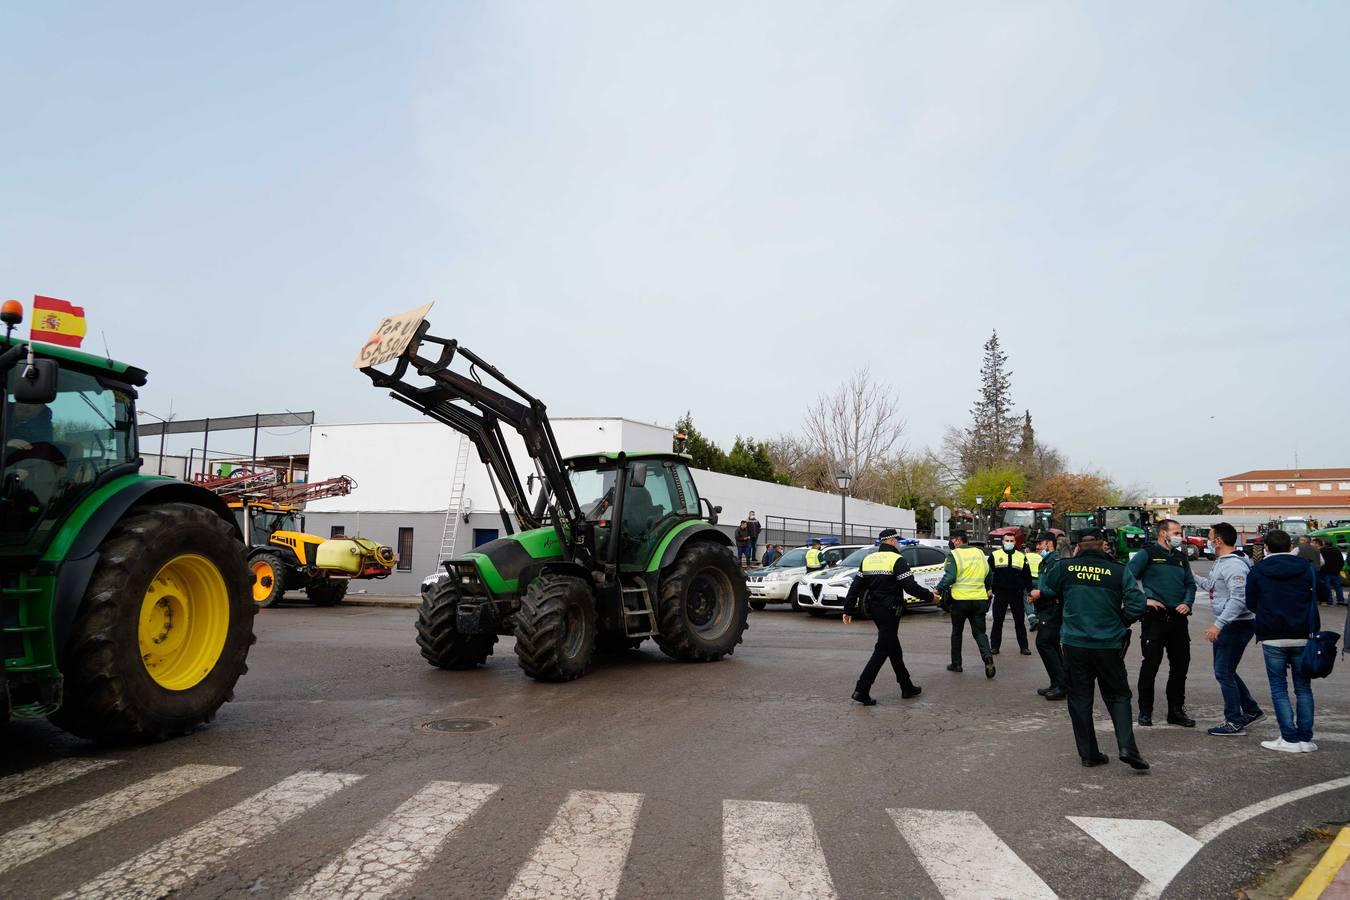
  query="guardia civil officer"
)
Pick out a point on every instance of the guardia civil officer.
point(1165, 575)
point(881, 584)
point(1010, 580)
point(1050, 616)
point(966, 579)
point(1100, 600)
point(814, 562)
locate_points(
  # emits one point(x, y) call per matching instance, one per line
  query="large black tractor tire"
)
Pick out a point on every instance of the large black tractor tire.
point(268, 575)
point(438, 634)
point(326, 591)
point(163, 631)
point(703, 606)
point(555, 628)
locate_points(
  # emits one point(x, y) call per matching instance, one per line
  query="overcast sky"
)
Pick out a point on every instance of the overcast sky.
point(636, 209)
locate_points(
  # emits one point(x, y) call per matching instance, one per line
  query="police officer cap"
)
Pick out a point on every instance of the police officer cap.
point(1086, 534)
point(960, 533)
point(887, 533)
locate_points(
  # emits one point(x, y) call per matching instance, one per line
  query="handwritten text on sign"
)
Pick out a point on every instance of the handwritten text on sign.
point(391, 338)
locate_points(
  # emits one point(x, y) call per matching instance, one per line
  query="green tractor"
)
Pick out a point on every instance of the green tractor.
point(1126, 529)
point(615, 549)
point(125, 607)
point(1076, 522)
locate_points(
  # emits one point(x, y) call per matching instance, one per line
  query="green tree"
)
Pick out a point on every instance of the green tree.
point(1203, 505)
point(751, 459)
point(990, 439)
point(990, 483)
point(706, 454)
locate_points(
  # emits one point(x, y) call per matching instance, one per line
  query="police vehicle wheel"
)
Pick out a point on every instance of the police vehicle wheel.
point(816, 613)
point(793, 601)
point(757, 604)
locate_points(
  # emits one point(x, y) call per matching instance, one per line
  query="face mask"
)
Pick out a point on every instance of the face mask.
point(951, 545)
point(1174, 541)
point(1045, 553)
point(1009, 546)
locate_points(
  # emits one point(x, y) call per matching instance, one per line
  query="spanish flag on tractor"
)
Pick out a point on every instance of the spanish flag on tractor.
point(57, 322)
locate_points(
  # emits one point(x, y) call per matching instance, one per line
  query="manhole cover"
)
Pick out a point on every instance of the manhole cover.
point(458, 726)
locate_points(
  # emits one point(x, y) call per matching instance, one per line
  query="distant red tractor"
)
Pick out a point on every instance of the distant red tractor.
point(1024, 520)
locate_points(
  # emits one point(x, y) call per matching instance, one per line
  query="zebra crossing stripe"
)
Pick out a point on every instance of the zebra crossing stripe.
point(12, 787)
point(405, 842)
point(42, 836)
point(173, 863)
point(965, 859)
point(1152, 848)
point(770, 851)
point(583, 851)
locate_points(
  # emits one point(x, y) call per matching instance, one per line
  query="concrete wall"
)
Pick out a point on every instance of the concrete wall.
point(383, 527)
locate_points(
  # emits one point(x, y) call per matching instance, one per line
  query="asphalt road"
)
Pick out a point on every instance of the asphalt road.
point(752, 777)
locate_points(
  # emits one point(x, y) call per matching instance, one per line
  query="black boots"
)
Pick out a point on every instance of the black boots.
point(912, 691)
point(864, 698)
point(1179, 717)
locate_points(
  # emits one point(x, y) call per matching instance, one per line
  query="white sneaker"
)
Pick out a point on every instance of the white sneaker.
point(1283, 746)
point(1307, 747)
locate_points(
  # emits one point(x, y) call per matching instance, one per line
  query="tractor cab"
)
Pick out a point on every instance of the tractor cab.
point(1025, 521)
point(1126, 529)
point(69, 427)
point(647, 494)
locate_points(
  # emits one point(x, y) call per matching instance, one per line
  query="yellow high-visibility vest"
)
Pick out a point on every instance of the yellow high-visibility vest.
point(971, 570)
point(813, 559)
point(1034, 561)
point(878, 562)
point(1001, 559)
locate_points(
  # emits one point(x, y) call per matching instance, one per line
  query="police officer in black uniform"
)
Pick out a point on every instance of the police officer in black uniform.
point(882, 581)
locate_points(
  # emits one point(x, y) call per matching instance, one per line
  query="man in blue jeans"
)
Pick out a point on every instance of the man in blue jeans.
point(1332, 563)
point(1232, 630)
point(1283, 591)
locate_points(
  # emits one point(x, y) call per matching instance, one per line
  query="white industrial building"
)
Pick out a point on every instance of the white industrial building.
point(406, 475)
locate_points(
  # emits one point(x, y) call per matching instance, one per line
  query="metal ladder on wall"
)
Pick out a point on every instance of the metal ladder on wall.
point(452, 511)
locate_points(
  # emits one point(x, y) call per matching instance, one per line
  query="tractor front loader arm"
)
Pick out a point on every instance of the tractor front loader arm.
point(477, 411)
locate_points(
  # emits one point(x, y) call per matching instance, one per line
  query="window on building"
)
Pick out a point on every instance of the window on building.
point(1345, 486)
point(337, 531)
point(1260, 487)
point(1303, 492)
point(1324, 487)
point(1281, 487)
point(405, 549)
point(1242, 488)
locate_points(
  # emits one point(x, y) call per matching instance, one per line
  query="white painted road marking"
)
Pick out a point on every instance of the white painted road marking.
point(1154, 849)
point(582, 854)
point(964, 857)
point(405, 842)
point(12, 787)
point(42, 836)
point(770, 851)
point(173, 863)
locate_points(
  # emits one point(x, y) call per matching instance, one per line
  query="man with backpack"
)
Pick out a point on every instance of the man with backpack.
point(1284, 591)
point(1234, 625)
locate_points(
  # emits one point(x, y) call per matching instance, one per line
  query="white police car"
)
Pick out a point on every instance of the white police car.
point(824, 592)
point(779, 582)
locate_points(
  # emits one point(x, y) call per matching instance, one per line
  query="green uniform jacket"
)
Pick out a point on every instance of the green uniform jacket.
point(1165, 574)
point(1047, 608)
point(1100, 598)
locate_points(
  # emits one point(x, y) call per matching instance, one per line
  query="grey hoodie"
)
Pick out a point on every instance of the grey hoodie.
point(1227, 582)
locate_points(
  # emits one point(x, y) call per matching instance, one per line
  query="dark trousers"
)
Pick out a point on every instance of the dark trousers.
point(743, 552)
point(1164, 631)
point(754, 548)
point(1238, 702)
point(972, 611)
point(1333, 583)
point(888, 647)
point(1003, 601)
point(1047, 645)
point(1105, 668)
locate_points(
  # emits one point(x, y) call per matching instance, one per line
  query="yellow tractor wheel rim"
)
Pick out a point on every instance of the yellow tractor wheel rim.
point(263, 580)
point(185, 617)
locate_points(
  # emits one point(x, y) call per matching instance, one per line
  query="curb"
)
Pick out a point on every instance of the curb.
point(1326, 871)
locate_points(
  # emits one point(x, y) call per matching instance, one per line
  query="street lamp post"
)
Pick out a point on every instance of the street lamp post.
point(979, 515)
point(932, 514)
point(843, 479)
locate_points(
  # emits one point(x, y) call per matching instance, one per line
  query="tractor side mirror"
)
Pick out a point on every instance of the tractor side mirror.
point(36, 381)
point(638, 478)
